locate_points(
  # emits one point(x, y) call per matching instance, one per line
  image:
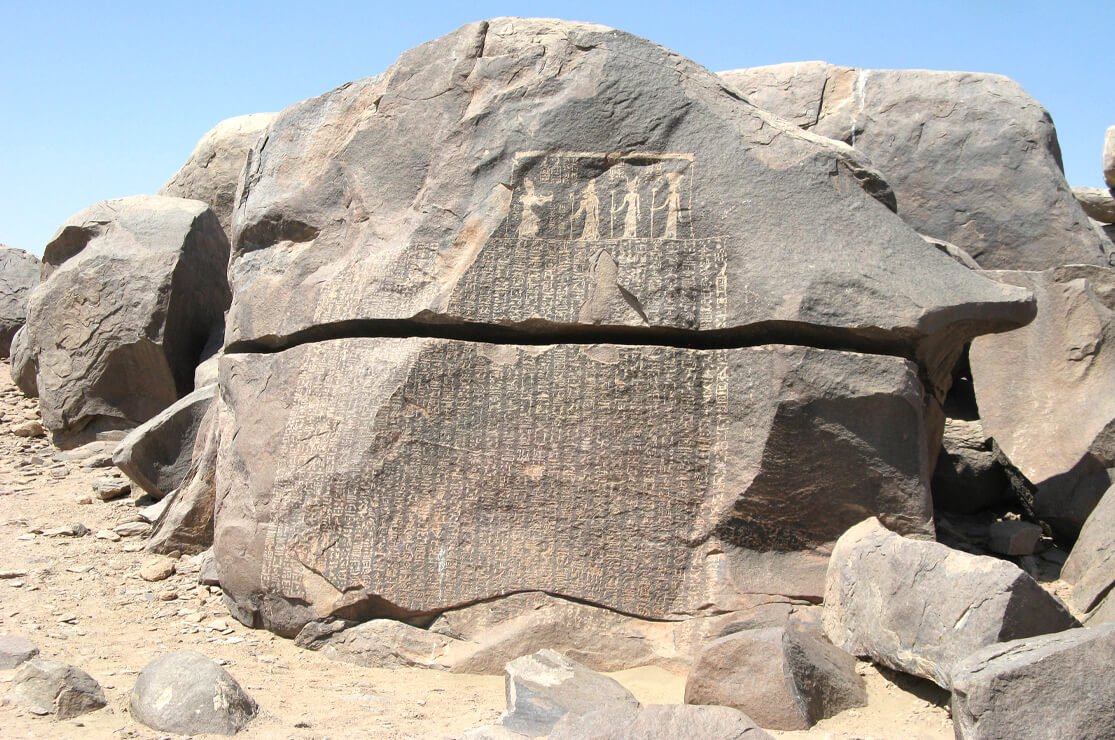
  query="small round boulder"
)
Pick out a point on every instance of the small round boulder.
point(187, 693)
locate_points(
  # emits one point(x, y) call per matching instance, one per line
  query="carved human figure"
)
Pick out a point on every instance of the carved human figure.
point(630, 202)
point(528, 222)
point(672, 204)
point(589, 207)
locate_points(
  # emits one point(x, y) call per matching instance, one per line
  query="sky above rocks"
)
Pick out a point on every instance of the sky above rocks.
point(107, 100)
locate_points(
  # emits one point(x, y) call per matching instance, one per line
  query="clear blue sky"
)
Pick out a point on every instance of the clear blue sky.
point(103, 100)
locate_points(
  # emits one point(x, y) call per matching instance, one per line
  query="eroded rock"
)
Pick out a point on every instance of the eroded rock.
point(187, 693)
point(19, 273)
point(49, 687)
point(659, 722)
point(1091, 564)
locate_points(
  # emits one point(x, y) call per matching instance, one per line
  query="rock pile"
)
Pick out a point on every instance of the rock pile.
point(549, 339)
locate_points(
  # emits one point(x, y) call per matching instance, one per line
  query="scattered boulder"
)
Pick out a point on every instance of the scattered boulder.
point(784, 679)
point(15, 650)
point(659, 722)
point(107, 489)
point(49, 687)
point(1109, 157)
point(186, 524)
point(544, 687)
point(920, 607)
point(157, 568)
point(378, 643)
point(24, 367)
point(1090, 567)
point(158, 454)
point(213, 169)
point(972, 158)
point(29, 428)
point(147, 273)
point(1044, 392)
point(19, 273)
point(1098, 203)
point(1013, 537)
point(187, 693)
point(1050, 686)
point(967, 477)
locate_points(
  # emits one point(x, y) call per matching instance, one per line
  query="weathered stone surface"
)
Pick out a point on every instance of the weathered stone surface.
point(15, 650)
point(1048, 687)
point(379, 643)
point(1044, 391)
point(659, 722)
point(953, 251)
point(24, 366)
point(920, 607)
point(187, 693)
point(1109, 157)
point(972, 158)
point(213, 169)
point(19, 273)
point(1013, 537)
point(555, 175)
point(186, 525)
point(967, 477)
point(544, 687)
point(49, 687)
point(784, 679)
point(655, 481)
point(135, 288)
point(1091, 564)
point(159, 453)
point(1098, 203)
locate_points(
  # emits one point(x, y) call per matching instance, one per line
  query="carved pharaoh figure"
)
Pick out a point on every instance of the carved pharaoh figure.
point(529, 223)
point(630, 204)
point(672, 204)
point(589, 207)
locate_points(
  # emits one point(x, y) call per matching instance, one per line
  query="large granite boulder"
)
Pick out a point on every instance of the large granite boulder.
point(1090, 567)
point(213, 169)
point(133, 289)
point(921, 607)
point(1098, 203)
point(972, 158)
point(657, 481)
point(1048, 687)
point(188, 694)
point(19, 273)
point(1044, 392)
point(578, 221)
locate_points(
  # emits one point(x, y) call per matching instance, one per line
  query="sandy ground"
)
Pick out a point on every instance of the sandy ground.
point(82, 601)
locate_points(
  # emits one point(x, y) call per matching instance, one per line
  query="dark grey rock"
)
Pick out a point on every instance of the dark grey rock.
point(1013, 537)
point(659, 722)
point(19, 273)
point(920, 607)
point(15, 650)
point(159, 453)
point(207, 569)
point(967, 477)
point(186, 524)
point(1046, 688)
point(24, 367)
point(48, 687)
point(187, 693)
point(544, 687)
point(1090, 567)
point(972, 158)
point(132, 290)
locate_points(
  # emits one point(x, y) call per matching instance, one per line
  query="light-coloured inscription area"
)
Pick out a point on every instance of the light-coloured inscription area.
point(435, 472)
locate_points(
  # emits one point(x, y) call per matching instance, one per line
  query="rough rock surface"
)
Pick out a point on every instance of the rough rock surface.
point(967, 477)
point(214, 167)
point(972, 158)
point(133, 289)
point(24, 367)
point(186, 523)
point(1044, 391)
point(378, 643)
point(920, 607)
point(681, 469)
point(1090, 567)
point(1109, 157)
point(784, 679)
point(19, 273)
point(659, 722)
point(1098, 203)
point(187, 693)
point(15, 650)
point(159, 453)
point(50, 687)
point(544, 687)
point(1047, 688)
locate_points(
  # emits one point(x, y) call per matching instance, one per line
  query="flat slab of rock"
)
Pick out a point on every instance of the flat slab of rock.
point(378, 643)
point(132, 290)
point(544, 687)
point(19, 273)
point(972, 158)
point(187, 693)
point(1098, 203)
point(659, 722)
point(16, 650)
point(654, 481)
point(1090, 567)
point(784, 679)
point(1044, 391)
point(1052, 686)
point(921, 607)
point(49, 687)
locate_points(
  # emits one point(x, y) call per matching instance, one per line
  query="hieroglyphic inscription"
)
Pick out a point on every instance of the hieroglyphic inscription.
point(446, 476)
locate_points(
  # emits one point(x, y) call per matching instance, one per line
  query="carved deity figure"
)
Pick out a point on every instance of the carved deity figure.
point(672, 204)
point(528, 222)
point(589, 207)
point(630, 204)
